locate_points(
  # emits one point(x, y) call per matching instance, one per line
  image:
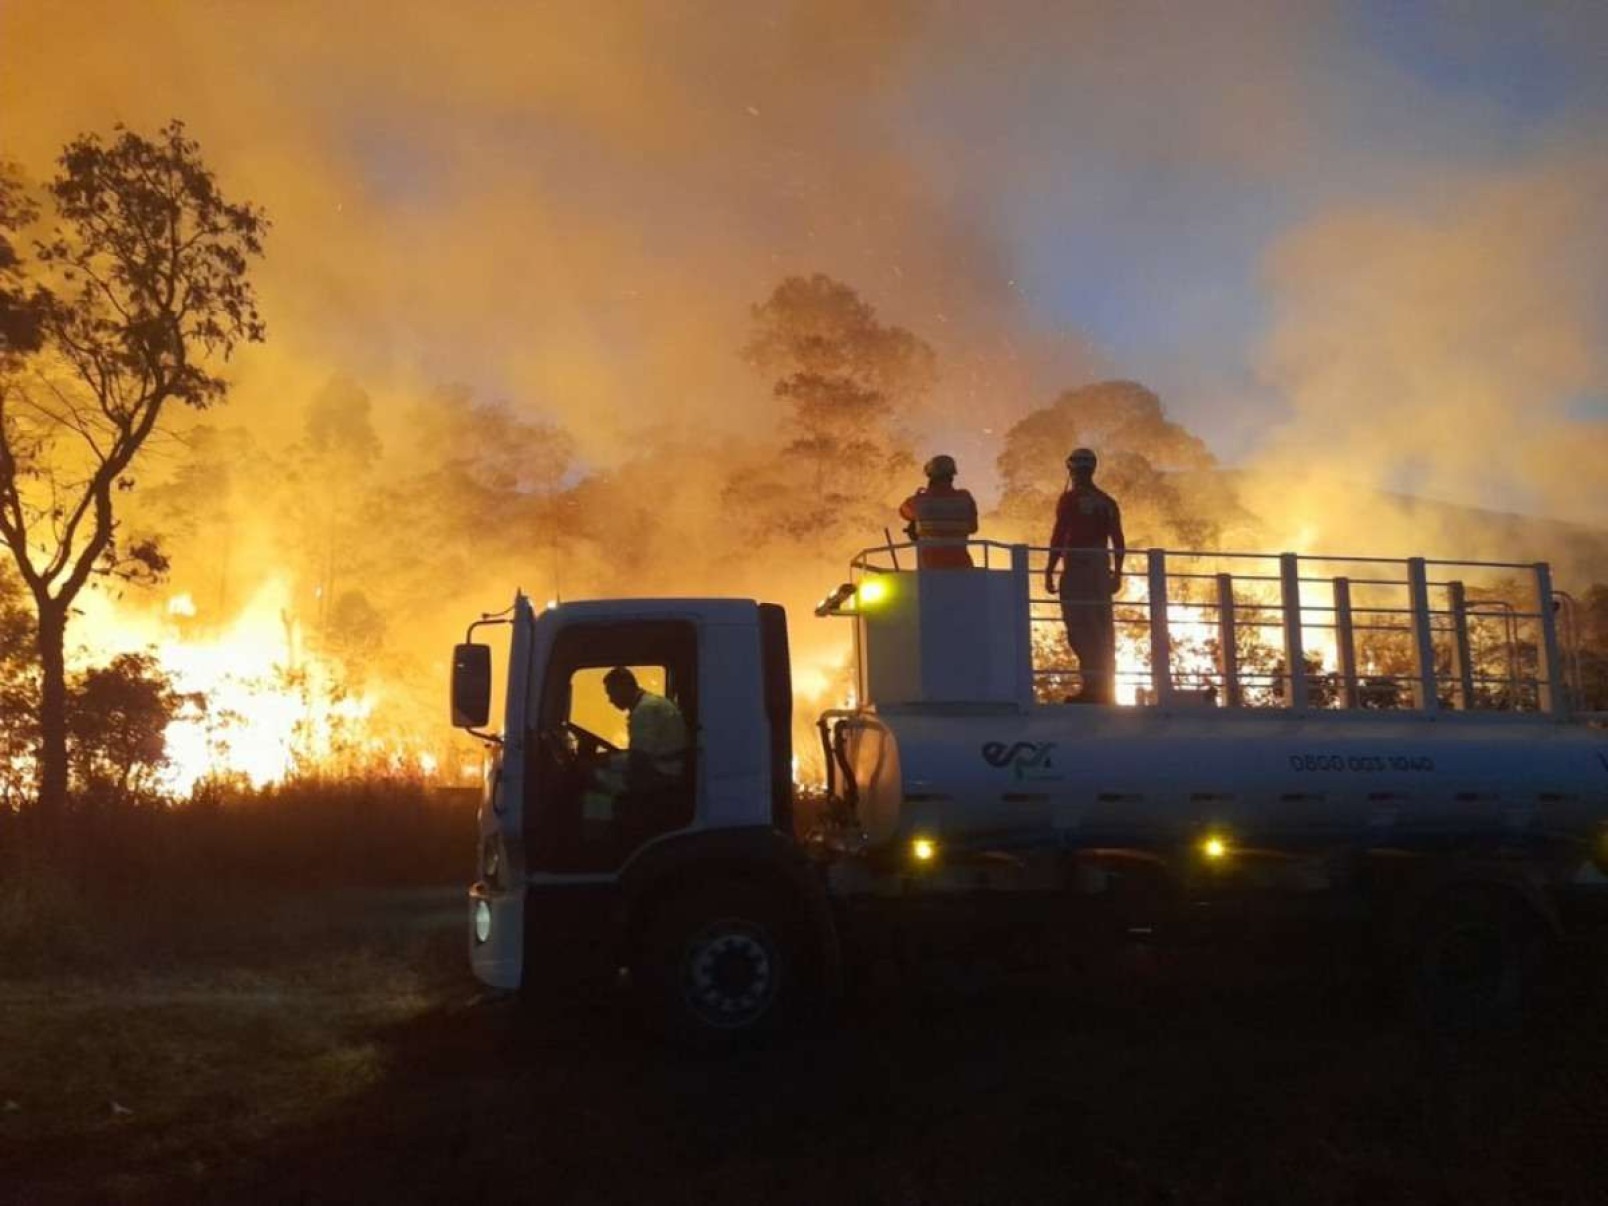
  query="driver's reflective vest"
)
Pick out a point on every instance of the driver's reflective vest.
point(658, 734)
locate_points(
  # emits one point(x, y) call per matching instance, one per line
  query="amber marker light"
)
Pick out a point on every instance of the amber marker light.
point(924, 850)
point(1214, 847)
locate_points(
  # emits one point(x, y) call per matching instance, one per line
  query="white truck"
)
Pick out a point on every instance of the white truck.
point(1454, 812)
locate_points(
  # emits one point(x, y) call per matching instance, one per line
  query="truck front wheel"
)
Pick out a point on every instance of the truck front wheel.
point(720, 966)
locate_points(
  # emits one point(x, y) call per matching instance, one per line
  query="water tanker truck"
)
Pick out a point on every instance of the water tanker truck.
point(1391, 747)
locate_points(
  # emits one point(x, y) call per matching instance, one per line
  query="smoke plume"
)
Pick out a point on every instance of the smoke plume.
point(517, 250)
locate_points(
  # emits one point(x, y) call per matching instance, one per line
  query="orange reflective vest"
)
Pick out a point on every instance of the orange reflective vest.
point(943, 517)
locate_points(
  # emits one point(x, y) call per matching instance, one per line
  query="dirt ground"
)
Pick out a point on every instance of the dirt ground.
point(353, 1060)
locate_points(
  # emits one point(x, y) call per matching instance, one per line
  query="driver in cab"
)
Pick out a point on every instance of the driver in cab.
point(655, 754)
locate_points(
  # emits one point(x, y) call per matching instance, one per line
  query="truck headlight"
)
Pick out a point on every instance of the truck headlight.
point(482, 913)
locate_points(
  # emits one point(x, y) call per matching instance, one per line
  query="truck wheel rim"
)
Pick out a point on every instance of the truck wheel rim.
point(729, 976)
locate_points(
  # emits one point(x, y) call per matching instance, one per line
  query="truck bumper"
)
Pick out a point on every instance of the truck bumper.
point(497, 935)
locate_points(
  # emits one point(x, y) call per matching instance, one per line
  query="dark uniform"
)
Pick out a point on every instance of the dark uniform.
point(1087, 520)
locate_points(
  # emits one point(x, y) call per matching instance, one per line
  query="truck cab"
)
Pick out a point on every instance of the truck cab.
point(578, 862)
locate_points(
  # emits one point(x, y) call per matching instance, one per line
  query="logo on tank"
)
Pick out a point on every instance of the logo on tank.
point(1026, 759)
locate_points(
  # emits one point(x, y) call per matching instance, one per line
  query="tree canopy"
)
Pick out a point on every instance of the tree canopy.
point(845, 377)
point(136, 294)
point(1139, 448)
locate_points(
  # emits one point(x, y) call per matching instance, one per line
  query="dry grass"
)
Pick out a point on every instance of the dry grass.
point(1148, 1084)
point(312, 1049)
point(192, 1047)
point(179, 985)
point(217, 1032)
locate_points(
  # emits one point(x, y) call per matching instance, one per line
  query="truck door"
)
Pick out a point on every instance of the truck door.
point(592, 800)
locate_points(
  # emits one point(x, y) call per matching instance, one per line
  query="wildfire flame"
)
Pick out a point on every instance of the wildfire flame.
point(257, 705)
point(261, 705)
point(1194, 636)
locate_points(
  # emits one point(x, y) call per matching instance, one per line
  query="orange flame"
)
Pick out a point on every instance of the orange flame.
point(258, 705)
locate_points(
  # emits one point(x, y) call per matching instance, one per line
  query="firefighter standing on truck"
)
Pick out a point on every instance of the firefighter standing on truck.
point(1087, 520)
point(940, 518)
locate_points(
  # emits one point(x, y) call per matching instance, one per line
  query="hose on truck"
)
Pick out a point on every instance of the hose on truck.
point(835, 753)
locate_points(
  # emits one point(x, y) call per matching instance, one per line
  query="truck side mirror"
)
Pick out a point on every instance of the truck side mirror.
point(471, 686)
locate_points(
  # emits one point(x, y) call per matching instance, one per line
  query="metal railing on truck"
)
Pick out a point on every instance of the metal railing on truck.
point(1304, 632)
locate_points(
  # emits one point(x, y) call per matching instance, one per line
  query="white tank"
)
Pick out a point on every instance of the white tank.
point(1077, 776)
point(951, 743)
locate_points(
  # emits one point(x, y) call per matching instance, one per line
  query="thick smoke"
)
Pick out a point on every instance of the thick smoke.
point(567, 206)
point(1442, 347)
point(525, 242)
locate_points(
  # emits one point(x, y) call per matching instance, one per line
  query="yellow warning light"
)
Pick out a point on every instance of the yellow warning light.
point(924, 850)
point(872, 590)
point(1214, 847)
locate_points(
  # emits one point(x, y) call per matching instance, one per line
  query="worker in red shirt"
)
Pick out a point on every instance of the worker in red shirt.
point(940, 518)
point(1087, 522)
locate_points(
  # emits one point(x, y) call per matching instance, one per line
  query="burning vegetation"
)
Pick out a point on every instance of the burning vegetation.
point(251, 603)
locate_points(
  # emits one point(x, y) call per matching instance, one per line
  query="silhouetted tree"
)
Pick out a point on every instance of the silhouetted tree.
point(481, 472)
point(845, 377)
point(1593, 639)
point(19, 690)
point(1139, 447)
point(141, 291)
point(22, 303)
point(221, 498)
point(330, 475)
point(117, 728)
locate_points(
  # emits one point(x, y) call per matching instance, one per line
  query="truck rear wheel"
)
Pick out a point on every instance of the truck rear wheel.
point(1476, 957)
point(721, 966)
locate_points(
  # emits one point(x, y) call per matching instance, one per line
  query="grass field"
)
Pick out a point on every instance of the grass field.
point(329, 1046)
point(270, 1002)
point(168, 1045)
point(180, 986)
